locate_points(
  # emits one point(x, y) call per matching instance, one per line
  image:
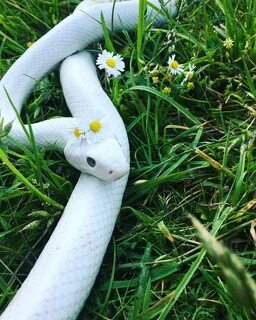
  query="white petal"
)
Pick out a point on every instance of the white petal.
point(120, 65)
point(107, 54)
point(109, 71)
point(102, 57)
point(116, 73)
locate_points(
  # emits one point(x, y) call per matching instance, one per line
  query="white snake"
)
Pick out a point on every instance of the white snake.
point(61, 279)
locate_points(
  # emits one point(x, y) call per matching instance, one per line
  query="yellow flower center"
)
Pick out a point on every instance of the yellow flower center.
point(111, 62)
point(77, 132)
point(175, 64)
point(95, 125)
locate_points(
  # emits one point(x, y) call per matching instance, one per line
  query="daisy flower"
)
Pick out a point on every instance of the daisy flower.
point(113, 64)
point(93, 130)
point(97, 127)
point(174, 66)
point(75, 133)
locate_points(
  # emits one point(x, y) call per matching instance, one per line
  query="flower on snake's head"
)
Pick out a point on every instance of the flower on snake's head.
point(93, 129)
point(113, 64)
point(174, 66)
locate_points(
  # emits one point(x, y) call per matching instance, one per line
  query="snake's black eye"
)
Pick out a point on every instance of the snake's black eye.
point(91, 162)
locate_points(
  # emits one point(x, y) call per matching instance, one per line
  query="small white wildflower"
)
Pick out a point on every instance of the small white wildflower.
point(174, 66)
point(113, 64)
point(190, 73)
point(97, 127)
point(92, 130)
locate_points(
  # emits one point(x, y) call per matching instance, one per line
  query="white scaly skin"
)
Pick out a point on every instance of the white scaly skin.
point(63, 275)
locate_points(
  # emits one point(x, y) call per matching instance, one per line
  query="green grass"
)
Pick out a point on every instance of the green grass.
point(192, 153)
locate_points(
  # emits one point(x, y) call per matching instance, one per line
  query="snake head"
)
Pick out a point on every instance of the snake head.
point(104, 160)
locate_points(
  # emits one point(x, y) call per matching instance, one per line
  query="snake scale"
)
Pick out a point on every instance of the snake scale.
point(61, 279)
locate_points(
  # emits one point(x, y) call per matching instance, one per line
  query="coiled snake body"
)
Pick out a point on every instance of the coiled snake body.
point(60, 281)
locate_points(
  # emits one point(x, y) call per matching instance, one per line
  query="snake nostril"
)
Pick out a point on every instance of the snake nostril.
point(111, 171)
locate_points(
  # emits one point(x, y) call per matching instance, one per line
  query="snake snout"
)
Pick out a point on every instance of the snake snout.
point(106, 160)
point(118, 170)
